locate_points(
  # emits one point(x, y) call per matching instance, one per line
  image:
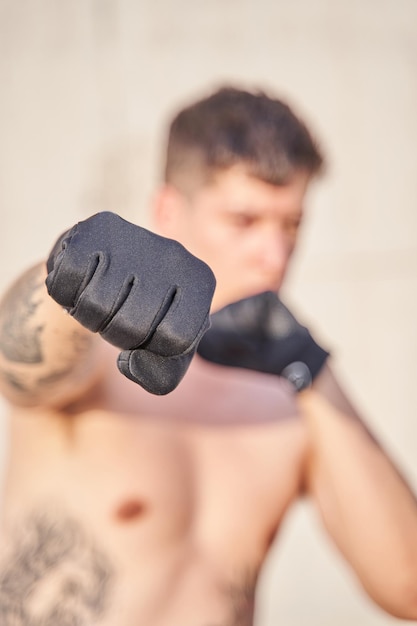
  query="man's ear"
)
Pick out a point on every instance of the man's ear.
point(168, 206)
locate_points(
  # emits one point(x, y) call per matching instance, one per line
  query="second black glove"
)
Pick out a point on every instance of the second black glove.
point(261, 334)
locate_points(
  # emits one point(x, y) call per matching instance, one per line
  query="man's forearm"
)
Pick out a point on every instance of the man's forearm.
point(366, 504)
point(46, 358)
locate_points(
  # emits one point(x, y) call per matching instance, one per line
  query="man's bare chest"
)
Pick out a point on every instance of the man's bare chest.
point(159, 473)
point(117, 498)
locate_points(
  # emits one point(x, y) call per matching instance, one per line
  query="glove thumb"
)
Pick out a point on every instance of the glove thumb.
point(155, 373)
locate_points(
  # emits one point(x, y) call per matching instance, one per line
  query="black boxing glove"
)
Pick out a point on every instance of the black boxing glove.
point(261, 334)
point(143, 293)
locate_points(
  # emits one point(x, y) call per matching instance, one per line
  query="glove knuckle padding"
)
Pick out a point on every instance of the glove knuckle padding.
point(140, 291)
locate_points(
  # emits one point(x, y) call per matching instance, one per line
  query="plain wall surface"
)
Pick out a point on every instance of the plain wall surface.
point(86, 90)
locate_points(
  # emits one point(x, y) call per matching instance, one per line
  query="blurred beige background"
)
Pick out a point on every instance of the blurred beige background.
point(86, 89)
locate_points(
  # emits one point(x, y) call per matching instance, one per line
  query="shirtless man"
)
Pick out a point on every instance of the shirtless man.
point(127, 503)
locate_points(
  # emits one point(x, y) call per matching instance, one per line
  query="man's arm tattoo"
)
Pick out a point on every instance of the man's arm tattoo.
point(39, 353)
point(19, 334)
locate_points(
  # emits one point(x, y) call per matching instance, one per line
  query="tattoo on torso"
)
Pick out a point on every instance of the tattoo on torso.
point(55, 576)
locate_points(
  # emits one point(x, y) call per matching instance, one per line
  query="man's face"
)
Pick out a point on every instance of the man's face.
point(244, 229)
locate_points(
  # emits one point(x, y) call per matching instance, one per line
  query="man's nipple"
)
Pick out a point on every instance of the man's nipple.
point(130, 509)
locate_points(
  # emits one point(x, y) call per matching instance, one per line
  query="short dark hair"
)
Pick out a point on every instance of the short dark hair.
point(232, 126)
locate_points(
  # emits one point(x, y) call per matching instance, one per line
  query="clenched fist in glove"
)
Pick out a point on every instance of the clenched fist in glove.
point(261, 334)
point(143, 293)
